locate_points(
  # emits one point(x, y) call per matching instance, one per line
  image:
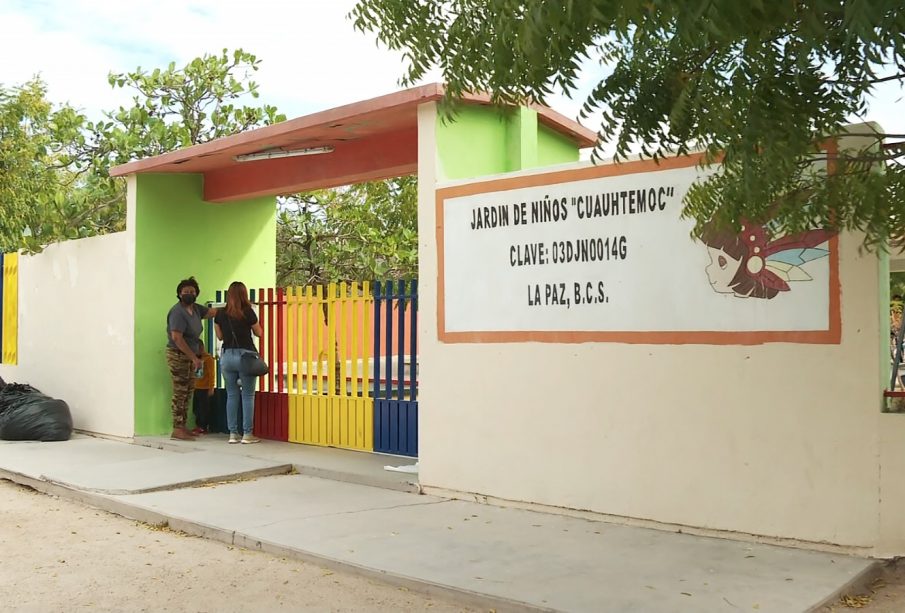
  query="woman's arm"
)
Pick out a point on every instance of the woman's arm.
point(179, 341)
point(218, 331)
point(256, 328)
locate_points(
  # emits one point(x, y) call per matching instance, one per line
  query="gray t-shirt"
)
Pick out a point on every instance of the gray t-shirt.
point(179, 320)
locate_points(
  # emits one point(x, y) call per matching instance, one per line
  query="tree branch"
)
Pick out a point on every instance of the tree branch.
point(895, 77)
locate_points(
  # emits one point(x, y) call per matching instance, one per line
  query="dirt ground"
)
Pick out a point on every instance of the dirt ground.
point(885, 595)
point(58, 555)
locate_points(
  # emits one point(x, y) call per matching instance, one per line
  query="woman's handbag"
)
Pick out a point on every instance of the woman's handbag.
point(251, 363)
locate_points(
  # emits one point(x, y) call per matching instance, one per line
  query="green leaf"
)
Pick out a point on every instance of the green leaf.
point(759, 81)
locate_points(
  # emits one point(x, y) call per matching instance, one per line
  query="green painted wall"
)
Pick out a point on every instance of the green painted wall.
point(521, 139)
point(554, 148)
point(471, 144)
point(177, 235)
point(480, 141)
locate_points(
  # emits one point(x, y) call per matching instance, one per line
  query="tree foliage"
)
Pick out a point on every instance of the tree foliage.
point(54, 174)
point(55, 182)
point(760, 84)
point(179, 107)
point(360, 232)
point(35, 158)
point(171, 108)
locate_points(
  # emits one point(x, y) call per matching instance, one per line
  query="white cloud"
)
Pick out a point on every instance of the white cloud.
point(312, 58)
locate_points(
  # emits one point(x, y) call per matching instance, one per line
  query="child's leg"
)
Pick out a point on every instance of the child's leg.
point(198, 408)
point(203, 417)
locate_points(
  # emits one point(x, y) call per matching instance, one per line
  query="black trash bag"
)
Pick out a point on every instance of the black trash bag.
point(28, 415)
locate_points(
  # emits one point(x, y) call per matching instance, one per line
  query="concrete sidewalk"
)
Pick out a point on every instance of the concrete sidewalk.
point(481, 555)
point(108, 467)
point(361, 467)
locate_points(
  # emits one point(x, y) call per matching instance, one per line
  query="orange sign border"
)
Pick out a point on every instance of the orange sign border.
point(831, 336)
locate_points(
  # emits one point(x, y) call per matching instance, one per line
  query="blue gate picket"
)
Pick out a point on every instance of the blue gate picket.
point(395, 402)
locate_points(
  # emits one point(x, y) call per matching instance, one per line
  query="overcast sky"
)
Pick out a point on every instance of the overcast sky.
point(312, 58)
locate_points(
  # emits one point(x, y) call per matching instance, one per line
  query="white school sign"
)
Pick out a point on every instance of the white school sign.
point(602, 253)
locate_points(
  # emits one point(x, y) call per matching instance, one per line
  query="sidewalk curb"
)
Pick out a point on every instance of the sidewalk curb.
point(857, 584)
point(268, 471)
point(111, 504)
point(408, 487)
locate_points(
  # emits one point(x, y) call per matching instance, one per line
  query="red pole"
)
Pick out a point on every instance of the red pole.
point(281, 349)
point(270, 338)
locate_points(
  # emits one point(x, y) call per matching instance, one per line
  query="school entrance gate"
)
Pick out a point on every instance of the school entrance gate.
point(343, 366)
point(348, 379)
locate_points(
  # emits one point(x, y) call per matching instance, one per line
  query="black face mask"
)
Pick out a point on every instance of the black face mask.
point(187, 298)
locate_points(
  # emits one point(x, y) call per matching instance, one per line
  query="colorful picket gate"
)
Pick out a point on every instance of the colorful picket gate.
point(271, 403)
point(327, 356)
point(9, 299)
point(396, 399)
point(326, 386)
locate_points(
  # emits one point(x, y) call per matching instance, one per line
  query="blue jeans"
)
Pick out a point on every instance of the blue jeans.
point(229, 368)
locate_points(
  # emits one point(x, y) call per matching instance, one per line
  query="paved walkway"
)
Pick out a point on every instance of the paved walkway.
point(485, 556)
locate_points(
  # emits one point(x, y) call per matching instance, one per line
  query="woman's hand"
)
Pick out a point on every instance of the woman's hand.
point(179, 341)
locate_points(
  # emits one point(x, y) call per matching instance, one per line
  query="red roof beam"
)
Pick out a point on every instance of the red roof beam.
point(383, 157)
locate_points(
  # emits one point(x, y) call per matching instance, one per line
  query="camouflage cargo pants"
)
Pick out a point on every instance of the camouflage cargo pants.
point(183, 376)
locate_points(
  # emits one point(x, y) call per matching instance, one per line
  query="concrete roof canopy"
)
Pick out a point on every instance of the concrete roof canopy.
point(371, 139)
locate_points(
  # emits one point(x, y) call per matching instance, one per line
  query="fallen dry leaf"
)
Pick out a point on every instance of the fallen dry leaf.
point(855, 602)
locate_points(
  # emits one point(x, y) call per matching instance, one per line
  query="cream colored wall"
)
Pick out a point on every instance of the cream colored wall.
point(76, 330)
point(891, 542)
point(780, 440)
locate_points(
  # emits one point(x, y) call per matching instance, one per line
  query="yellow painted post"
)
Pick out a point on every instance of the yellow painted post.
point(293, 330)
point(310, 406)
point(342, 338)
point(291, 339)
point(11, 308)
point(299, 414)
point(318, 320)
point(331, 338)
point(341, 426)
point(326, 379)
point(314, 408)
point(294, 419)
point(367, 343)
point(332, 434)
point(356, 344)
point(310, 338)
point(355, 328)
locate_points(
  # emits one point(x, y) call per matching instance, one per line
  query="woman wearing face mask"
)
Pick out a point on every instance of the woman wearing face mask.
point(183, 350)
